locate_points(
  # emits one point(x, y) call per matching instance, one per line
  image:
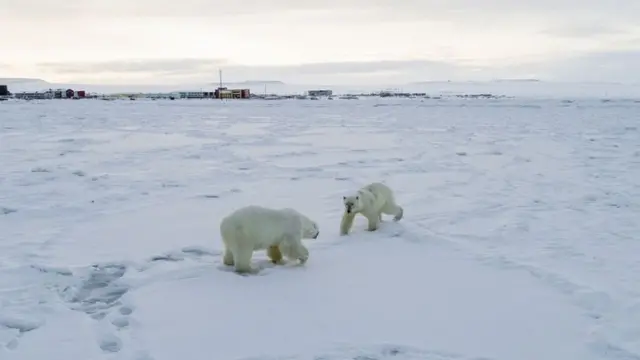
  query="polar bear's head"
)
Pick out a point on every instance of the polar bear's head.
point(352, 204)
point(310, 229)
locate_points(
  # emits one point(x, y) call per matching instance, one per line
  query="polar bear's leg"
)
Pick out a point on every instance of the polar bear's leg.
point(242, 260)
point(390, 208)
point(374, 221)
point(227, 259)
point(304, 254)
point(293, 249)
point(274, 253)
point(346, 223)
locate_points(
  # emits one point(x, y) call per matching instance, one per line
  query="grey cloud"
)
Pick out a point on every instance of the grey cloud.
point(620, 66)
point(470, 10)
point(563, 15)
point(195, 66)
point(566, 8)
point(156, 66)
point(611, 66)
point(585, 31)
point(372, 66)
point(596, 19)
point(154, 8)
point(207, 69)
point(601, 66)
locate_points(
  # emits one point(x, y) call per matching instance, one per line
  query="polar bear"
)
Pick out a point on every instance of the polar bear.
point(371, 201)
point(279, 231)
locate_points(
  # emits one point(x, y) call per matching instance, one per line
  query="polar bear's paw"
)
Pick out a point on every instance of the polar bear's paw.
point(303, 259)
point(374, 224)
point(248, 272)
point(227, 258)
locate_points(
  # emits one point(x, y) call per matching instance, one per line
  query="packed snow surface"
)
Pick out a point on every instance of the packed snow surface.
point(519, 239)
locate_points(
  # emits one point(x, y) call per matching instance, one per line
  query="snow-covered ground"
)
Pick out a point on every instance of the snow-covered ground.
point(519, 242)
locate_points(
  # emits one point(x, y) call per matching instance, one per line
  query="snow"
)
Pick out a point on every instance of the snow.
point(519, 238)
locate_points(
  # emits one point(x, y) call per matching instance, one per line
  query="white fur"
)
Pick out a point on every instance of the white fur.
point(371, 201)
point(254, 228)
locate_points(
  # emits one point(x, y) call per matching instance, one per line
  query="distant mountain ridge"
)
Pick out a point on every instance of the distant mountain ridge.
point(252, 82)
point(35, 83)
point(9, 81)
point(476, 82)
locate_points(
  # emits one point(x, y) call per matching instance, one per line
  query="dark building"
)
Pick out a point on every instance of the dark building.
point(4, 90)
point(224, 93)
point(320, 92)
point(33, 95)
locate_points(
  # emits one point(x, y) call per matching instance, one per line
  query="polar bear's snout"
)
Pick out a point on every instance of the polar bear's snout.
point(311, 230)
point(350, 203)
point(317, 231)
point(349, 207)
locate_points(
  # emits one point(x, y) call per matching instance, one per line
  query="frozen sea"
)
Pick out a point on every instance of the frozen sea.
point(520, 239)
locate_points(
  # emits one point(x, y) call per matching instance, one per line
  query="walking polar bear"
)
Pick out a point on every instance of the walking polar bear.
point(371, 201)
point(279, 231)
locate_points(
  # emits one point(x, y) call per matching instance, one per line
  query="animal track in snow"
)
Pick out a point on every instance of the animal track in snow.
point(6, 210)
point(100, 291)
point(110, 344)
point(98, 294)
point(120, 322)
point(125, 310)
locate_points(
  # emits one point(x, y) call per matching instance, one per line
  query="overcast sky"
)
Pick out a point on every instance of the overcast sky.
point(328, 41)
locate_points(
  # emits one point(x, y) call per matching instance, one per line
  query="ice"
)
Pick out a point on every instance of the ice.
point(519, 238)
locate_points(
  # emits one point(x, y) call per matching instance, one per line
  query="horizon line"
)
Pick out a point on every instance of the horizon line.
point(279, 82)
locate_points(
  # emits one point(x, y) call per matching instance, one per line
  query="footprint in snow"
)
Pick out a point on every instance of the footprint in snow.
point(99, 294)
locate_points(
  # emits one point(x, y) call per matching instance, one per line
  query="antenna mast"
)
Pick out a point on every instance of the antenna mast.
point(220, 87)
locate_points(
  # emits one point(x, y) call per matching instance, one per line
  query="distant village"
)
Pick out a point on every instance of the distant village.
point(219, 93)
